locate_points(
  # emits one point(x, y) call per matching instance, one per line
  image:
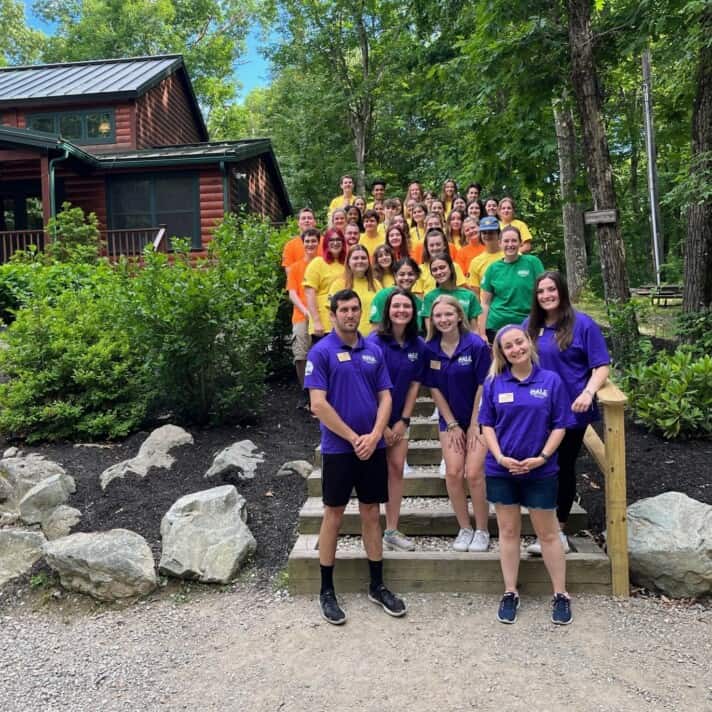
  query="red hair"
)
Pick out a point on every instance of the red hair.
point(328, 235)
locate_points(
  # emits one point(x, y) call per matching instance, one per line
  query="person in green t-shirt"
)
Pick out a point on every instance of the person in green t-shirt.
point(507, 288)
point(442, 269)
point(406, 272)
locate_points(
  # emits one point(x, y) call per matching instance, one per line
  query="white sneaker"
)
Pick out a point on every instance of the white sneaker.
point(535, 548)
point(441, 470)
point(435, 416)
point(407, 470)
point(395, 541)
point(463, 539)
point(480, 541)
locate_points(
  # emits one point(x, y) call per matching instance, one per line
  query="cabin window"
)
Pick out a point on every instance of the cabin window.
point(89, 126)
point(151, 200)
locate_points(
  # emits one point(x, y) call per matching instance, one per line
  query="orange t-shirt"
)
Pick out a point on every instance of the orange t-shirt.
point(466, 254)
point(295, 277)
point(417, 253)
point(293, 252)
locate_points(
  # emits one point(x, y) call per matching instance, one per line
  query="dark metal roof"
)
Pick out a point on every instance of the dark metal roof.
point(216, 149)
point(126, 77)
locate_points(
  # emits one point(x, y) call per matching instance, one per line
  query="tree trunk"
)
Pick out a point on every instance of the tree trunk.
point(359, 132)
point(697, 291)
point(595, 143)
point(574, 242)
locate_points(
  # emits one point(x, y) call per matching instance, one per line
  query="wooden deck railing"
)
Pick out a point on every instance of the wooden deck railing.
point(132, 242)
point(609, 454)
point(12, 241)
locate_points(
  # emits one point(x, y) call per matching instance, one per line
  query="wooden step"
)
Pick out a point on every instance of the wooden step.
point(420, 452)
point(423, 407)
point(587, 570)
point(420, 517)
point(422, 482)
point(422, 428)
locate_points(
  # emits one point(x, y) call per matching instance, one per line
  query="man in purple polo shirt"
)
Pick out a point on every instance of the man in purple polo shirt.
point(350, 394)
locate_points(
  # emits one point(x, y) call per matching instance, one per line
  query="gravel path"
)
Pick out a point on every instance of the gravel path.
point(251, 648)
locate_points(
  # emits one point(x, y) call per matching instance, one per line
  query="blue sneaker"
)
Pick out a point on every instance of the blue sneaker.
point(561, 610)
point(508, 607)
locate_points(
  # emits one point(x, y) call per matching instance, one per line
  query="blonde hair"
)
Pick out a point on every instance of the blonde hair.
point(462, 326)
point(499, 360)
point(349, 275)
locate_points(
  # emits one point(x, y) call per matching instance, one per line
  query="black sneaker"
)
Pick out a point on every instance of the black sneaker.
point(508, 607)
point(390, 603)
point(330, 609)
point(561, 610)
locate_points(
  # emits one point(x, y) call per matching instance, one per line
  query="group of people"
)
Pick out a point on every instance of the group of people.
point(512, 368)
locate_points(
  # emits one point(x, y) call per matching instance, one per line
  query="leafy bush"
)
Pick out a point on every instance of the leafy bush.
point(673, 394)
point(74, 236)
point(695, 330)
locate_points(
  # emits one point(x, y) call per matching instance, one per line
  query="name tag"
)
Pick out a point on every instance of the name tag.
point(435, 365)
point(506, 398)
point(343, 356)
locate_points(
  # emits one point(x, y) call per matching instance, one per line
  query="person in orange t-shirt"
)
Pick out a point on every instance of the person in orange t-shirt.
point(473, 246)
point(294, 249)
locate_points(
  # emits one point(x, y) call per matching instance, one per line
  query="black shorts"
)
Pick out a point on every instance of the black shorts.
point(341, 473)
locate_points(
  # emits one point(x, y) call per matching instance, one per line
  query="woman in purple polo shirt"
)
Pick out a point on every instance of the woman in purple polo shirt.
point(457, 363)
point(404, 355)
point(571, 344)
point(524, 414)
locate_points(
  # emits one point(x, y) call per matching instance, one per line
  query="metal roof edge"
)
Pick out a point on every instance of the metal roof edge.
point(89, 62)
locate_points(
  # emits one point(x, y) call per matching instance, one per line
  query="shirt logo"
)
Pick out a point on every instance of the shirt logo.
point(368, 358)
point(465, 360)
point(413, 356)
point(523, 273)
point(309, 369)
point(539, 392)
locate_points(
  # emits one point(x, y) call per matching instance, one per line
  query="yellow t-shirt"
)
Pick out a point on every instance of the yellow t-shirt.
point(319, 275)
point(371, 243)
point(426, 281)
point(366, 296)
point(417, 237)
point(338, 202)
point(388, 280)
point(479, 266)
point(521, 226)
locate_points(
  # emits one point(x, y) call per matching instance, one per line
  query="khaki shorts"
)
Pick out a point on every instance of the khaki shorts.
point(300, 340)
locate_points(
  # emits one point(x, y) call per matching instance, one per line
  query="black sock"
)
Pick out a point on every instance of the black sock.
point(376, 570)
point(327, 578)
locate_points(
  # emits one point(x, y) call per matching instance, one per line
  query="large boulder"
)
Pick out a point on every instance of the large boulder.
point(18, 475)
point(18, 552)
point(39, 501)
point(242, 456)
point(106, 565)
point(59, 521)
point(670, 544)
point(153, 453)
point(205, 536)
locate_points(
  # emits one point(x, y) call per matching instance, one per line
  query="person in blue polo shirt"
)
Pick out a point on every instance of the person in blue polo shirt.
point(524, 414)
point(350, 394)
point(457, 365)
point(404, 353)
point(571, 344)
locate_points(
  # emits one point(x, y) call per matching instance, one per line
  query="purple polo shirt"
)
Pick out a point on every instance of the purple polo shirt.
point(458, 377)
point(587, 351)
point(405, 364)
point(523, 414)
point(352, 379)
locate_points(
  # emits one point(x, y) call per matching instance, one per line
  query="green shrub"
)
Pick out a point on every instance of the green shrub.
point(695, 330)
point(673, 394)
point(628, 347)
point(74, 236)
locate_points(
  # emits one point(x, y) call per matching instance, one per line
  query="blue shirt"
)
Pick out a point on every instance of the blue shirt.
point(574, 364)
point(405, 364)
point(458, 376)
point(523, 414)
point(352, 378)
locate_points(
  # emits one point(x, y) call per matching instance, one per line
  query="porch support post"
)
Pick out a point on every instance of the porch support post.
point(46, 192)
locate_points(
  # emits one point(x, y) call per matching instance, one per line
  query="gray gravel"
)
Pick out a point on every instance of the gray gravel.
point(252, 648)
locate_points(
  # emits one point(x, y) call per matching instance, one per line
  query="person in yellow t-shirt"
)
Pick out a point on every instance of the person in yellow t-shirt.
point(449, 191)
point(347, 195)
point(435, 243)
point(358, 275)
point(372, 237)
point(383, 261)
point(505, 210)
point(489, 234)
point(378, 192)
point(319, 275)
point(417, 224)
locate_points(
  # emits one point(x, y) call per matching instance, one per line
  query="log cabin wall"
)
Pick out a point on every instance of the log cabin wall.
point(262, 194)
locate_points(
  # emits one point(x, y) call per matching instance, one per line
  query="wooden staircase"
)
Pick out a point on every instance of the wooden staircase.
point(426, 516)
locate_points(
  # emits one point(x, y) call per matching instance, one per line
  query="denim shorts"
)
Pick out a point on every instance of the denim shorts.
point(529, 492)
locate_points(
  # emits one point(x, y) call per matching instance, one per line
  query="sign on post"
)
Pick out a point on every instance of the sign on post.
point(600, 217)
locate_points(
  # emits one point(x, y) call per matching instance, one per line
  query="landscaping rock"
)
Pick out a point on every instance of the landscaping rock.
point(21, 474)
point(19, 550)
point(670, 544)
point(153, 453)
point(10, 452)
point(205, 536)
point(105, 565)
point(59, 521)
point(242, 456)
point(296, 467)
point(45, 496)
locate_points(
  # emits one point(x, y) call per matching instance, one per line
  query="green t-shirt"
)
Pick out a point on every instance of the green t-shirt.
point(512, 287)
point(468, 300)
point(378, 303)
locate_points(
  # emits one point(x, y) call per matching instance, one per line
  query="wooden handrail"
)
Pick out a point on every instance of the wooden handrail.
point(160, 243)
point(609, 454)
point(12, 241)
